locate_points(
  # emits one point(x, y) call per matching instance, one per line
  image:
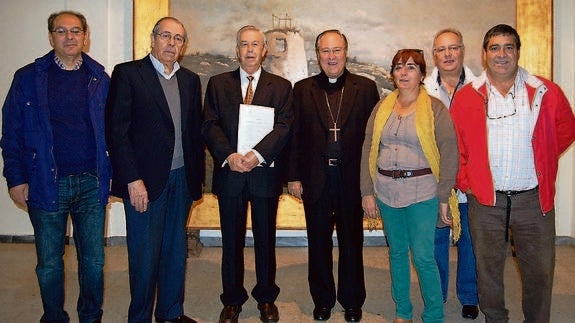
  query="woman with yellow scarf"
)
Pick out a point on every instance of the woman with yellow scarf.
point(409, 164)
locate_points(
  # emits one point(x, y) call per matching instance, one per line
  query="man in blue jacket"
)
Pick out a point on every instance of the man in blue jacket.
point(56, 164)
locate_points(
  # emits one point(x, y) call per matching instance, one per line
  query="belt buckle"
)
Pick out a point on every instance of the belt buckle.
point(397, 173)
point(332, 162)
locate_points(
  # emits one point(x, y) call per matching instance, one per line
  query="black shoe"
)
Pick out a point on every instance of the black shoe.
point(321, 313)
point(179, 319)
point(268, 312)
point(353, 314)
point(469, 312)
point(230, 314)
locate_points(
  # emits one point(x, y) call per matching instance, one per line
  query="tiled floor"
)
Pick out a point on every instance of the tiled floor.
point(20, 300)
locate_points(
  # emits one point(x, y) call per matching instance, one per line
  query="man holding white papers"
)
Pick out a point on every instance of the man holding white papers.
point(253, 175)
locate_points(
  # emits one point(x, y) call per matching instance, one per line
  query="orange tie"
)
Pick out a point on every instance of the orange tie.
point(249, 92)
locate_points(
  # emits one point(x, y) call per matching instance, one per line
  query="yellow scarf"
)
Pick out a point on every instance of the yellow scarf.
point(425, 128)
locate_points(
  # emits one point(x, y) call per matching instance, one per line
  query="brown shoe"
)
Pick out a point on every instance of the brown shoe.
point(230, 314)
point(400, 320)
point(268, 312)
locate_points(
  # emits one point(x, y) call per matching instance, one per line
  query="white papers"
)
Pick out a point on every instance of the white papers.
point(254, 123)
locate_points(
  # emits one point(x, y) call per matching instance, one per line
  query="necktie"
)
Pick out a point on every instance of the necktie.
point(249, 91)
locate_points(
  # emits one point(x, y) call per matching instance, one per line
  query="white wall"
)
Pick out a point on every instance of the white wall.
point(24, 34)
point(23, 30)
point(564, 75)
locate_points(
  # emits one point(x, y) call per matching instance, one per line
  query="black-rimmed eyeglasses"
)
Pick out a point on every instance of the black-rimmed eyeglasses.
point(492, 116)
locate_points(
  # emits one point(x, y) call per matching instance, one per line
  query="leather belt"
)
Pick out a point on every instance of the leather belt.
point(333, 162)
point(508, 195)
point(400, 173)
point(511, 193)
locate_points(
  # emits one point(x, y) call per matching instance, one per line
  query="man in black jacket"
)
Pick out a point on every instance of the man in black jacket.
point(331, 110)
point(154, 118)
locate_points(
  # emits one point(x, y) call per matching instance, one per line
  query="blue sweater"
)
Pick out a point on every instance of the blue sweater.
point(27, 141)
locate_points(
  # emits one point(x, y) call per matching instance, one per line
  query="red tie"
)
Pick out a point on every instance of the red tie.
point(249, 92)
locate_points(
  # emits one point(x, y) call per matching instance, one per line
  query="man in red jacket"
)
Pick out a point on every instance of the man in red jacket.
point(512, 128)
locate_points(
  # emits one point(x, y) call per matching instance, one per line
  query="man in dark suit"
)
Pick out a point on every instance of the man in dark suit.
point(157, 152)
point(252, 176)
point(331, 110)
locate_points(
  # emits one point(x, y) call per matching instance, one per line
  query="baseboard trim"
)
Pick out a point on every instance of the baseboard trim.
point(285, 238)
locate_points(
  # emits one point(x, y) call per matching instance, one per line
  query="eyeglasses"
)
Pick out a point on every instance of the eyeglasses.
point(336, 51)
point(62, 32)
point(492, 117)
point(504, 115)
point(448, 49)
point(166, 36)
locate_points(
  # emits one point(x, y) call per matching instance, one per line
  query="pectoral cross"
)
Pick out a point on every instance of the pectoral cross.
point(335, 129)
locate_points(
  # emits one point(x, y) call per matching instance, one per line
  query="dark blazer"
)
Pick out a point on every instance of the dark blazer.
point(307, 148)
point(220, 130)
point(140, 130)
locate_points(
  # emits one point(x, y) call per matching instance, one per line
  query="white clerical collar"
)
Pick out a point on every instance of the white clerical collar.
point(332, 80)
point(161, 69)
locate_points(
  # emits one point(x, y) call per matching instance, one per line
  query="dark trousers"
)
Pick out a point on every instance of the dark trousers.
point(233, 218)
point(345, 213)
point(534, 240)
point(157, 252)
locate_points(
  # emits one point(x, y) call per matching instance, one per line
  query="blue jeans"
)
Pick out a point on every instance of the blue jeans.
point(157, 252)
point(78, 197)
point(411, 229)
point(466, 283)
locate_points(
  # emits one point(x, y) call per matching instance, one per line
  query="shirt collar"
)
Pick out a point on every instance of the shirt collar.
point(61, 64)
point(160, 67)
point(461, 77)
point(244, 75)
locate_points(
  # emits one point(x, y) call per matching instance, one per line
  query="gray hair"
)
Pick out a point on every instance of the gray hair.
point(448, 30)
point(156, 29)
point(250, 27)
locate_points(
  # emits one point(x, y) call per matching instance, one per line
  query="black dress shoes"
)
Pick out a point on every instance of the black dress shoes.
point(179, 319)
point(469, 312)
point(353, 314)
point(321, 313)
point(230, 314)
point(268, 312)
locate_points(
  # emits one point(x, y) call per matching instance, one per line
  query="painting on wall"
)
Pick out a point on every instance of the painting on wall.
point(376, 29)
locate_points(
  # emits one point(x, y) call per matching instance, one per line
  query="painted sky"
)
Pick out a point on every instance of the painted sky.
point(376, 29)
